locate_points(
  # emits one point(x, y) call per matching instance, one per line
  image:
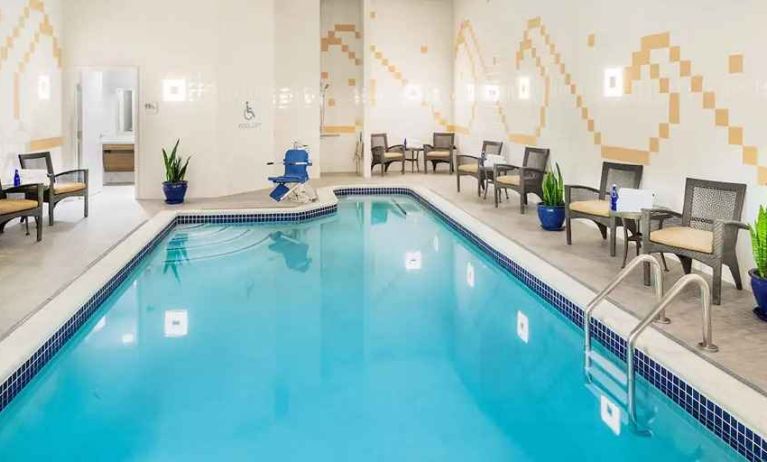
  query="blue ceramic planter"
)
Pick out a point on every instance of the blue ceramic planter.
point(552, 218)
point(759, 286)
point(174, 192)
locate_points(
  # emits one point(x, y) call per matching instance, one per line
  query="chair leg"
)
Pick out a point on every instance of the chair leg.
point(522, 202)
point(735, 270)
point(85, 206)
point(663, 259)
point(568, 230)
point(458, 182)
point(39, 227)
point(602, 230)
point(26, 222)
point(716, 287)
point(50, 213)
point(495, 195)
point(686, 264)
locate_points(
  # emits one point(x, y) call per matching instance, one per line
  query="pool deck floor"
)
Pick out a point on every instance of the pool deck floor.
point(32, 273)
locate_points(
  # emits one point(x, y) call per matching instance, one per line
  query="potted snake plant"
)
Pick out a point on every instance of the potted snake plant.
point(551, 212)
point(759, 274)
point(175, 184)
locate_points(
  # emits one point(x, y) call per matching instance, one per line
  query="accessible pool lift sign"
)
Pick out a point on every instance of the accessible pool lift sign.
point(249, 119)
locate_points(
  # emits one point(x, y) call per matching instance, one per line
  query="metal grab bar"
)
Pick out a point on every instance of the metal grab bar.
point(658, 281)
point(707, 344)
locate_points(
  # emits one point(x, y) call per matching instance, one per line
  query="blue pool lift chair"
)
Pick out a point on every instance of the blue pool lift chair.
point(296, 177)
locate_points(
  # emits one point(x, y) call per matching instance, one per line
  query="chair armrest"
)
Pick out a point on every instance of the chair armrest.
point(396, 147)
point(569, 191)
point(69, 172)
point(737, 224)
point(578, 186)
point(505, 167)
point(27, 190)
point(467, 157)
point(666, 213)
point(726, 235)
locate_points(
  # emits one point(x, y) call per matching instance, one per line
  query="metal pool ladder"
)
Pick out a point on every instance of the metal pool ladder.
point(657, 314)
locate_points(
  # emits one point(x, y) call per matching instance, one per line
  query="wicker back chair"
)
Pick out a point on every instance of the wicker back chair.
point(29, 207)
point(442, 150)
point(383, 154)
point(593, 204)
point(706, 230)
point(72, 183)
point(525, 179)
point(474, 166)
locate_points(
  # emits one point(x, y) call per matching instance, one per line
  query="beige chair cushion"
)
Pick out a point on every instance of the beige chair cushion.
point(392, 155)
point(468, 168)
point(63, 188)
point(15, 205)
point(697, 240)
point(508, 180)
point(595, 207)
point(438, 154)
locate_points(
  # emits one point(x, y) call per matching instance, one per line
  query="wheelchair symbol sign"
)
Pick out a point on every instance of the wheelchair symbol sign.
point(248, 113)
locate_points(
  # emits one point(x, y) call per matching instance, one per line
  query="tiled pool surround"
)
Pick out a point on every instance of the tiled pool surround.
point(730, 429)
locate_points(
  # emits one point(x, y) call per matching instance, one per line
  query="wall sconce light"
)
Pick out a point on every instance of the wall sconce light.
point(613, 82)
point(413, 92)
point(492, 93)
point(174, 90)
point(44, 87)
point(523, 88)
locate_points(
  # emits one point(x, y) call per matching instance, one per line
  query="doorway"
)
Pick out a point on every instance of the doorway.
point(107, 135)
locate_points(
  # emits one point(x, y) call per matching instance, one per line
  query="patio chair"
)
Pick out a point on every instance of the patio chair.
point(525, 179)
point(707, 231)
point(30, 207)
point(383, 154)
point(584, 202)
point(441, 151)
point(72, 183)
point(473, 166)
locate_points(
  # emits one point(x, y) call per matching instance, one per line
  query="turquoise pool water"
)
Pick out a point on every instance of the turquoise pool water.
point(374, 334)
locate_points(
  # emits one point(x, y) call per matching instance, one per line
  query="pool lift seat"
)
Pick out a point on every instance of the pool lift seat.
point(294, 182)
point(604, 378)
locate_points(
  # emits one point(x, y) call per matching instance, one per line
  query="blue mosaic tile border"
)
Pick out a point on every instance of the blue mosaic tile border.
point(745, 441)
point(730, 430)
point(24, 374)
point(255, 217)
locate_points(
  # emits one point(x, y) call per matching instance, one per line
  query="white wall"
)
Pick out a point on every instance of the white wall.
point(408, 69)
point(32, 44)
point(706, 34)
point(342, 58)
point(225, 52)
point(297, 70)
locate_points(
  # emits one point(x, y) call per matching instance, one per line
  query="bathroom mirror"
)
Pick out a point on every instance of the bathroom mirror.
point(124, 110)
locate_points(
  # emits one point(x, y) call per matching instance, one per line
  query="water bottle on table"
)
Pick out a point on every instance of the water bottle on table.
point(614, 198)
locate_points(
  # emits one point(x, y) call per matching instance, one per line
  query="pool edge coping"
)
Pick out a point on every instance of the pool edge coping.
point(716, 384)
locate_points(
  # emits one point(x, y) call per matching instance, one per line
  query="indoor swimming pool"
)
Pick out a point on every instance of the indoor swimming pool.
point(375, 333)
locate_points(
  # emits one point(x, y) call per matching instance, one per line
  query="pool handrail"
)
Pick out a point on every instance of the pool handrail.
point(707, 344)
point(587, 312)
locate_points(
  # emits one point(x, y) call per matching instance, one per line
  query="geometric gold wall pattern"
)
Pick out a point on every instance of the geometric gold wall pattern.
point(641, 60)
